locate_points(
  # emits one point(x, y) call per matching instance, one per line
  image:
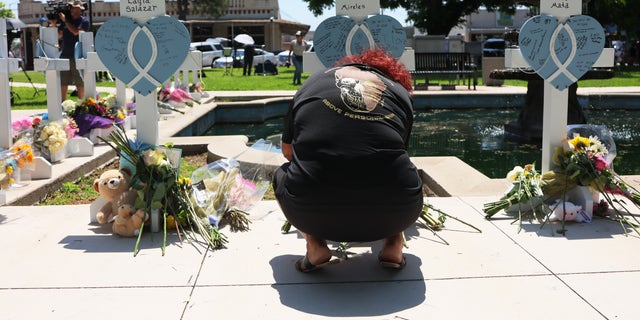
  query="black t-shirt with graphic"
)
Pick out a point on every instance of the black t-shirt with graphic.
point(349, 127)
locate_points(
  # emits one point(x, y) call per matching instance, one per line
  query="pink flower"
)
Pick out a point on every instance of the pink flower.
point(600, 163)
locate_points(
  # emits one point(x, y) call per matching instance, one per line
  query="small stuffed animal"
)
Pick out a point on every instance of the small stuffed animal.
point(572, 213)
point(128, 221)
point(113, 186)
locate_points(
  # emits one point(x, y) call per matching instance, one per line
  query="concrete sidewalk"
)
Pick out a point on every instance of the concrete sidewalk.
point(56, 265)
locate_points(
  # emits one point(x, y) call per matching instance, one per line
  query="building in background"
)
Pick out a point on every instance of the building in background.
point(258, 18)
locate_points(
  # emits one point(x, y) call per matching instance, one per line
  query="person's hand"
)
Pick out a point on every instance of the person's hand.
point(63, 19)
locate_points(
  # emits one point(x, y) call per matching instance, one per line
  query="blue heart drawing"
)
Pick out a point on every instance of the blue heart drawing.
point(561, 52)
point(142, 55)
point(339, 36)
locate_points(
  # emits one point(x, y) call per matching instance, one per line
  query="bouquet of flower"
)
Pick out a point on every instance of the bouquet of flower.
point(583, 162)
point(221, 193)
point(525, 189)
point(176, 97)
point(159, 186)
point(22, 128)
point(50, 137)
point(98, 112)
point(22, 153)
point(17, 156)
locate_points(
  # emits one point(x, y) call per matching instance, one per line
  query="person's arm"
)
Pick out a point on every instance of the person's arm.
point(75, 31)
point(287, 134)
point(287, 151)
point(290, 51)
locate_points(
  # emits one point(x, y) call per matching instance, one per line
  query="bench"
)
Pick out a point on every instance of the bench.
point(445, 63)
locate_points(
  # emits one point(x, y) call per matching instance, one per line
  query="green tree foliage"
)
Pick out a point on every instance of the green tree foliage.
point(207, 8)
point(436, 17)
point(5, 12)
point(623, 13)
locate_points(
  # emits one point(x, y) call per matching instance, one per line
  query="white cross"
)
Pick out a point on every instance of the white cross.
point(554, 125)
point(7, 65)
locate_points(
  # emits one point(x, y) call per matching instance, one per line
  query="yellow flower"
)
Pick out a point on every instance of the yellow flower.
point(9, 170)
point(153, 157)
point(580, 143)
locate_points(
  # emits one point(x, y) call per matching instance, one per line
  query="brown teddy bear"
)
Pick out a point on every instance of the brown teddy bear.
point(113, 186)
point(128, 221)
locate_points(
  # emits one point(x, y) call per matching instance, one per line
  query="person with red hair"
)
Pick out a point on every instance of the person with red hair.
point(349, 177)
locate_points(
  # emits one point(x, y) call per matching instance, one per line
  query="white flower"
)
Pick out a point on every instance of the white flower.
point(69, 106)
point(53, 137)
point(514, 173)
point(597, 146)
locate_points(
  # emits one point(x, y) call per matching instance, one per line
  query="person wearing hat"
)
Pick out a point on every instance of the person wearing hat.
point(298, 47)
point(68, 32)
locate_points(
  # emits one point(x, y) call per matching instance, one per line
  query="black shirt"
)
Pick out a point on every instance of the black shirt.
point(350, 127)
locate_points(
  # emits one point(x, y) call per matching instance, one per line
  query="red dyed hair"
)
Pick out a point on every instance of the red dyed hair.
point(381, 60)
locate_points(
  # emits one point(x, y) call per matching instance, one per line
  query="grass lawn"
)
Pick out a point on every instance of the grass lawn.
point(217, 79)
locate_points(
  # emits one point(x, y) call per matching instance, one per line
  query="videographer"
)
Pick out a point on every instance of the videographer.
point(68, 32)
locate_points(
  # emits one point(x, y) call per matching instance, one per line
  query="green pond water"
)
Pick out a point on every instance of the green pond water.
point(477, 137)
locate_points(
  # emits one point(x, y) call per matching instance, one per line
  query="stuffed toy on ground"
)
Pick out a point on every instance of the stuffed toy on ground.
point(114, 186)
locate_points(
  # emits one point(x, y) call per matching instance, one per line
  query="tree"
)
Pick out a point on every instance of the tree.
point(617, 12)
point(5, 12)
point(208, 8)
point(435, 17)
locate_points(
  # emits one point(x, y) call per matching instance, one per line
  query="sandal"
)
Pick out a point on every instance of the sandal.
point(391, 264)
point(304, 265)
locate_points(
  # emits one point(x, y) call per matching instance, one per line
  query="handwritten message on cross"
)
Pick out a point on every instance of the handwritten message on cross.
point(560, 45)
point(143, 48)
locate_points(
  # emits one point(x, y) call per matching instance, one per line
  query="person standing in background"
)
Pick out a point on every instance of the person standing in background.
point(249, 52)
point(298, 47)
point(68, 32)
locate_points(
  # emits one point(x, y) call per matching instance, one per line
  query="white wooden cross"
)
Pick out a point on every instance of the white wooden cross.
point(554, 127)
point(7, 65)
point(51, 65)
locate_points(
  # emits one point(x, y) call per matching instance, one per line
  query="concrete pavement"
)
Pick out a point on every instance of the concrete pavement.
point(58, 265)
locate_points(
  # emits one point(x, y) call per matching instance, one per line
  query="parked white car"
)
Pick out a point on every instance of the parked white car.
point(283, 58)
point(260, 56)
point(210, 52)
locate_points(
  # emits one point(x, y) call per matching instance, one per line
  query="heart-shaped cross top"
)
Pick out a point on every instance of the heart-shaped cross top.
point(339, 36)
point(561, 53)
point(142, 55)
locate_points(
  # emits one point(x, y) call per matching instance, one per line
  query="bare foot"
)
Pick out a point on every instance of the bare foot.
point(392, 248)
point(317, 249)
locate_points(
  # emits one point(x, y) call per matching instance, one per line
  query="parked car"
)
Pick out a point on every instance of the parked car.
point(210, 52)
point(260, 56)
point(283, 58)
point(493, 47)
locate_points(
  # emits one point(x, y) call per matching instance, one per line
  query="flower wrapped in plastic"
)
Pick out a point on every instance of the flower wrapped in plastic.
point(50, 137)
point(221, 193)
point(587, 161)
point(525, 192)
point(95, 113)
point(159, 186)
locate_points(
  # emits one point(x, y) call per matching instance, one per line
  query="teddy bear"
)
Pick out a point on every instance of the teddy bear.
point(128, 221)
point(569, 211)
point(113, 186)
